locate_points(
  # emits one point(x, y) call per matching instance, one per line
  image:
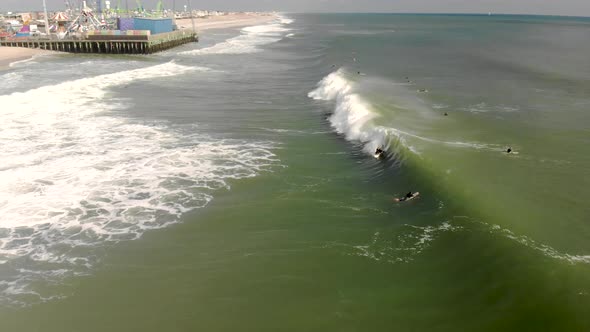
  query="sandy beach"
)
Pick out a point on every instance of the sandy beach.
point(9, 55)
point(225, 21)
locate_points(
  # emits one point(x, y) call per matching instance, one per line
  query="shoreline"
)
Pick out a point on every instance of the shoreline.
point(11, 55)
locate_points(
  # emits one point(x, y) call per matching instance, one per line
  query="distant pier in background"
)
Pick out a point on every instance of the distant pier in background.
point(109, 44)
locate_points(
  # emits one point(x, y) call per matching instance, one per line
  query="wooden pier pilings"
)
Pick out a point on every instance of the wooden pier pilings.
point(151, 44)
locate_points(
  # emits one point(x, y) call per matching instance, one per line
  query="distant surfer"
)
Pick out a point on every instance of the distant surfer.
point(509, 150)
point(446, 114)
point(333, 66)
point(407, 197)
point(358, 72)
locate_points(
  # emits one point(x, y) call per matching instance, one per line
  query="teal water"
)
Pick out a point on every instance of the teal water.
point(230, 185)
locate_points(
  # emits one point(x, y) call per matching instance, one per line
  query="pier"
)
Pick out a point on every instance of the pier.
point(108, 44)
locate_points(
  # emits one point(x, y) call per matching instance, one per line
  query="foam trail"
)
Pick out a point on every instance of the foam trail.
point(73, 177)
point(249, 40)
point(543, 248)
point(403, 246)
point(400, 245)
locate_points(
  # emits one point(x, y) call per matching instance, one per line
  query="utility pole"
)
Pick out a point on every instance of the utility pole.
point(46, 18)
point(174, 12)
point(190, 8)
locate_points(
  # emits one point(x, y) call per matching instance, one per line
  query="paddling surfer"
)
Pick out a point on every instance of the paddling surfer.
point(407, 197)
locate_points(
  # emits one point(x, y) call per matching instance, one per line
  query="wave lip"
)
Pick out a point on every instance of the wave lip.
point(75, 178)
point(249, 40)
point(352, 116)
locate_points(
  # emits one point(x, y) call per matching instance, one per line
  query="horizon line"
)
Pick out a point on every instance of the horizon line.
point(374, 13)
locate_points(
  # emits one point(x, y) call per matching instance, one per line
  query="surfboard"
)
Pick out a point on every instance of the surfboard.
point(416, 194)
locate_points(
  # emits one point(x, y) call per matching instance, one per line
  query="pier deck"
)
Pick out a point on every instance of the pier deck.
point(110, 45)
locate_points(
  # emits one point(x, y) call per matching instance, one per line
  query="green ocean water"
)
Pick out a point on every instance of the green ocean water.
point(276, 216)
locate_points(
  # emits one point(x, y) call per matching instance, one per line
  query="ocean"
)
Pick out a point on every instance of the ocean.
point(230, 185)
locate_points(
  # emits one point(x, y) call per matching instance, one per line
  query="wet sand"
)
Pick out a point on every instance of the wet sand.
point(9, 55)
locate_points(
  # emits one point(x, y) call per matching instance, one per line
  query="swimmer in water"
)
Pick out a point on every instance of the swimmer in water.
point(509, 150)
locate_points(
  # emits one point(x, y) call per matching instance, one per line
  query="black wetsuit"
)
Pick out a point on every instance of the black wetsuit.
point(408, 196)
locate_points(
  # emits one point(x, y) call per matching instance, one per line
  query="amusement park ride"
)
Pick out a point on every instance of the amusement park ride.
point(87, 15)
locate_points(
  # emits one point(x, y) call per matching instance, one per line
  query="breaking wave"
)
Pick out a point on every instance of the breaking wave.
point(354, 117)
point(249, 40)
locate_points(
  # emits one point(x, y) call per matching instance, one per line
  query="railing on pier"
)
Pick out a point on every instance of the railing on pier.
point(108, 45)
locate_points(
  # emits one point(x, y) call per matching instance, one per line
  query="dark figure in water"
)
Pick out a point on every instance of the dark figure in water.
point(446, 114)
point(509, 150)
point(358, 72)
point(333, 66)
point(379, 151)
point(405, 198)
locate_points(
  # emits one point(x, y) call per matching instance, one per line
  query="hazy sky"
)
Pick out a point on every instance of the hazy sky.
point(555, 7)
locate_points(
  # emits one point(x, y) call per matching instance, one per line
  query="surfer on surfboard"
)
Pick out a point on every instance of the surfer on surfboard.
point(407, 197)
point(379, 152)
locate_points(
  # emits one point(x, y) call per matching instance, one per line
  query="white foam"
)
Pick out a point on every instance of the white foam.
point(249, 41)
point(73, 177)
point(285, 20)
point(484, 108)
point(21, 62)
point(400, 245)
point(353, 116)
point(10, 80)
point(542, 248)
point(352, 113)
point(403, 247)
